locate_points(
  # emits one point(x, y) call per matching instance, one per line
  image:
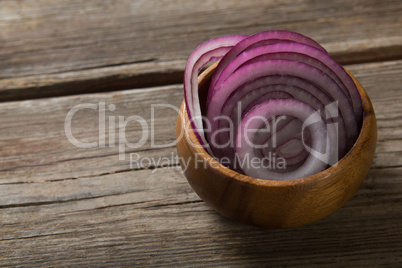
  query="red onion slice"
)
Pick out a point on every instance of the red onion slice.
point(293, 151)
point(299, 88)
point(259, 39)
point(282, 67)
point(264, 97)
point(222, 141)
point(306, 92)
point(286, 142)
point(234, 107)
point(302, 53)
point(244, 138)
point(271, 74)
point(213, 49)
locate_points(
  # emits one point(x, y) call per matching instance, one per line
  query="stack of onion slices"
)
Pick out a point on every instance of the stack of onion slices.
point(278, 106)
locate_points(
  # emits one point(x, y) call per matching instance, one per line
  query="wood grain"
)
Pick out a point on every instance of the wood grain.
point(33, 144)
point(63, 47)
point(164, 223)
point(61, 205)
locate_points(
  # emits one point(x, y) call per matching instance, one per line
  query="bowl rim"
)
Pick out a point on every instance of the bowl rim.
point(368, 111)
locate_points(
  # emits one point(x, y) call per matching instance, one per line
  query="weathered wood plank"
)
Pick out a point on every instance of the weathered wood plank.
point(61, 205)
point(102, 79)
point(155, 219)
point(53, 48)
point(34, 146)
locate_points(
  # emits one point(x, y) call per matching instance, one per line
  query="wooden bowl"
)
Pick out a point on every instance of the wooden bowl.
point(275, 204)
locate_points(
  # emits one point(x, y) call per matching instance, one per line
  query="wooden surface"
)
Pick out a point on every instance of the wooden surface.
point(61, 47)
point(61, 205)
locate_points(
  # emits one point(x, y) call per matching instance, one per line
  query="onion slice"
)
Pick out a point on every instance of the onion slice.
point(269, 109)
point(211, 50)
point(281, 67)
point(302, 53)
point(259, 39)
point(260, 79)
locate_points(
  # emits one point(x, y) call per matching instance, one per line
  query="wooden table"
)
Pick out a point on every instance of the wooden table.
point(63, 205)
